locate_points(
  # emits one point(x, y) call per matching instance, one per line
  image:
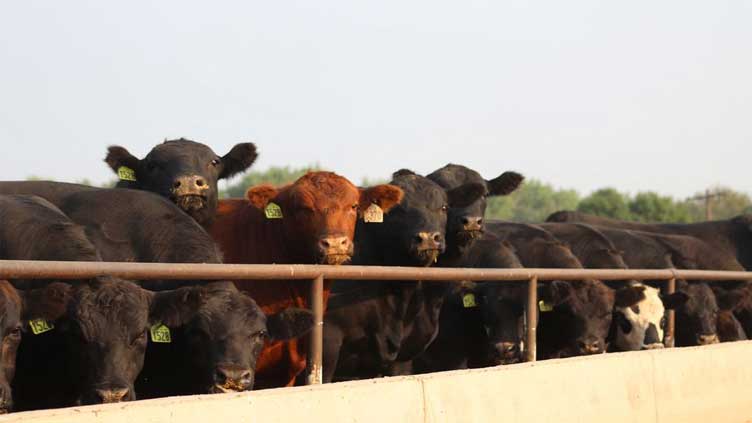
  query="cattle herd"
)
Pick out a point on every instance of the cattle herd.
point(106, 339)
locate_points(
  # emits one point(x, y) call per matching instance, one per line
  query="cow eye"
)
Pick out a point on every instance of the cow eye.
point(139, 338)
point(216, 162)
point(355, 206)
point(261, 334)
point(444, 208)
point(15, 332)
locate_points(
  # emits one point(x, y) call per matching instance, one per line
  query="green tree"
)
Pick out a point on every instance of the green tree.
point(532, 202)
point(275, 175)
point(607, 202)
point(652, 207)
point(728, 204)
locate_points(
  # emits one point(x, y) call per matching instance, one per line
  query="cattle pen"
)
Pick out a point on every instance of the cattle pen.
point(16, 269)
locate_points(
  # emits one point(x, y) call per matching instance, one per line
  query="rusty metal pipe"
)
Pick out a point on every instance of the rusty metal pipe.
point(670, 338)
point(16, 269)
point(531, 320)
point(315, 353)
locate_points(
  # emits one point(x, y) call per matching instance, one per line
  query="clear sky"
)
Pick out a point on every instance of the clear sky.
point(637, 95)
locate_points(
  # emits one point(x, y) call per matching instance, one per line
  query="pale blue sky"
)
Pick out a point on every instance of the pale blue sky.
point(637, 95)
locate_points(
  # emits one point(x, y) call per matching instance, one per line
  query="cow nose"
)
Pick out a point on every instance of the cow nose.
point(6, 403)
point(337, 243)
point(471, 223)
point(233, 377)
point(590, 347)
point(186, 185)
point(111, 395)
point(707, 339)
point(507, 349)
point(428, 240)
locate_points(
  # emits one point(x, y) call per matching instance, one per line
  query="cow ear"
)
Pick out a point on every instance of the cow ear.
point(629, 296)
point(556, 292)
point(48, 303)
point(466, 194)
point(238, 160)
point(261, 195)
point(177, 307)
point(288, 324)
point(384, 196)
point(729, 300)
point(674, 301)
point(505, 184)
point(118, 157)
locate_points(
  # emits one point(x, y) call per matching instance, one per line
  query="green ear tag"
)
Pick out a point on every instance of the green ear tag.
point(273, 211)
point(468, 300)
point(373, 214)
point(126, 174)
point(40, 326)
point(160, 334)
point(544, 306)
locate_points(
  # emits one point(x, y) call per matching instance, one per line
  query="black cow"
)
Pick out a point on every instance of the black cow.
point(182, 170)
point(465, 224)
point(11, 305)
point(697, 309)
point(371, 327)
point(733, 236)
point(216, 351)
point(575, 316)
point(476, 326)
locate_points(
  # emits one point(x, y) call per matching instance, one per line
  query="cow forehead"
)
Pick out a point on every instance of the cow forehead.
point(453, 175)
point(592, 298)
point(700, 297)
point(119, 307)
point(321, 190)
point(419, 191)
point(229, 312)
point(651, 308)
point(180, 148)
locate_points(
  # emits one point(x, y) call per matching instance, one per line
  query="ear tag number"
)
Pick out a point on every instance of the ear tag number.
point(544, 306)
point(468, 300)
point(373, 214)
point(40, 326)
point(160, 334)
point(273, 211)
point(126, 174)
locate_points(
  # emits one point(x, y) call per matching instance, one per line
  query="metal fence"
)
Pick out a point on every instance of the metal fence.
point(15, 269)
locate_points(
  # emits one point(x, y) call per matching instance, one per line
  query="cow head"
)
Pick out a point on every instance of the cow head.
point(225, 338)
point(106, 328)
point(502, 307)
point(465, 223)
point(641, 325)
point(319, 211)
point(697, 317)
point(184, 171)
point(413, 234)
point(578, 314)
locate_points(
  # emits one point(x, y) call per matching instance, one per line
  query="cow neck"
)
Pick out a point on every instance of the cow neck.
point(246, 236)
point(456, 254)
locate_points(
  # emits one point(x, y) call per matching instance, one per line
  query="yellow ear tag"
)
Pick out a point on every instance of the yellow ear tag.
point(40, 326)
point(160, 334)
point(126, 174)
point(273, 211)
point(373, 214)
point(468, 300)
point(544, 306)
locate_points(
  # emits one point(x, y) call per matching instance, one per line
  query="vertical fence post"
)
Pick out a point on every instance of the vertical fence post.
point(315, 370)
point(670, 320)
point(531, 314)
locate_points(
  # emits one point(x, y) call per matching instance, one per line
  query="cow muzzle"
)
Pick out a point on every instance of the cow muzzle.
point(590, 347)
point(427, 246)
point(506, 353)
point(230, 378)
point(190, 192)
point(707, 339)
point(111, 395)
point(335, 250)
point(653, 346)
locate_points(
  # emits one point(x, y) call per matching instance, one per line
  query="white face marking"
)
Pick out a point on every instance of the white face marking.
point(651, 311)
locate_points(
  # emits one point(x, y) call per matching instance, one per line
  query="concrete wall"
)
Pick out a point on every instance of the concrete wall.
point(703, 384)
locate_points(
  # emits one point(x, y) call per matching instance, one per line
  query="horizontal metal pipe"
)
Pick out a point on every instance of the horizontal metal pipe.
point(15, 269)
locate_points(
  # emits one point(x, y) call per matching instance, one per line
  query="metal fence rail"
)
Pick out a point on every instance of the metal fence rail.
point(19, 269)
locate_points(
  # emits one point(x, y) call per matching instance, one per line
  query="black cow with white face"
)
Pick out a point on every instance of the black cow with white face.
point(182, 170)
point(371, 327)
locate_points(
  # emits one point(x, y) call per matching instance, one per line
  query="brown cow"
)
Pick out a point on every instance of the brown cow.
point(309, 221)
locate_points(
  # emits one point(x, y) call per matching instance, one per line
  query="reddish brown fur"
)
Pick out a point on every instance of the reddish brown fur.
point(318, 204)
